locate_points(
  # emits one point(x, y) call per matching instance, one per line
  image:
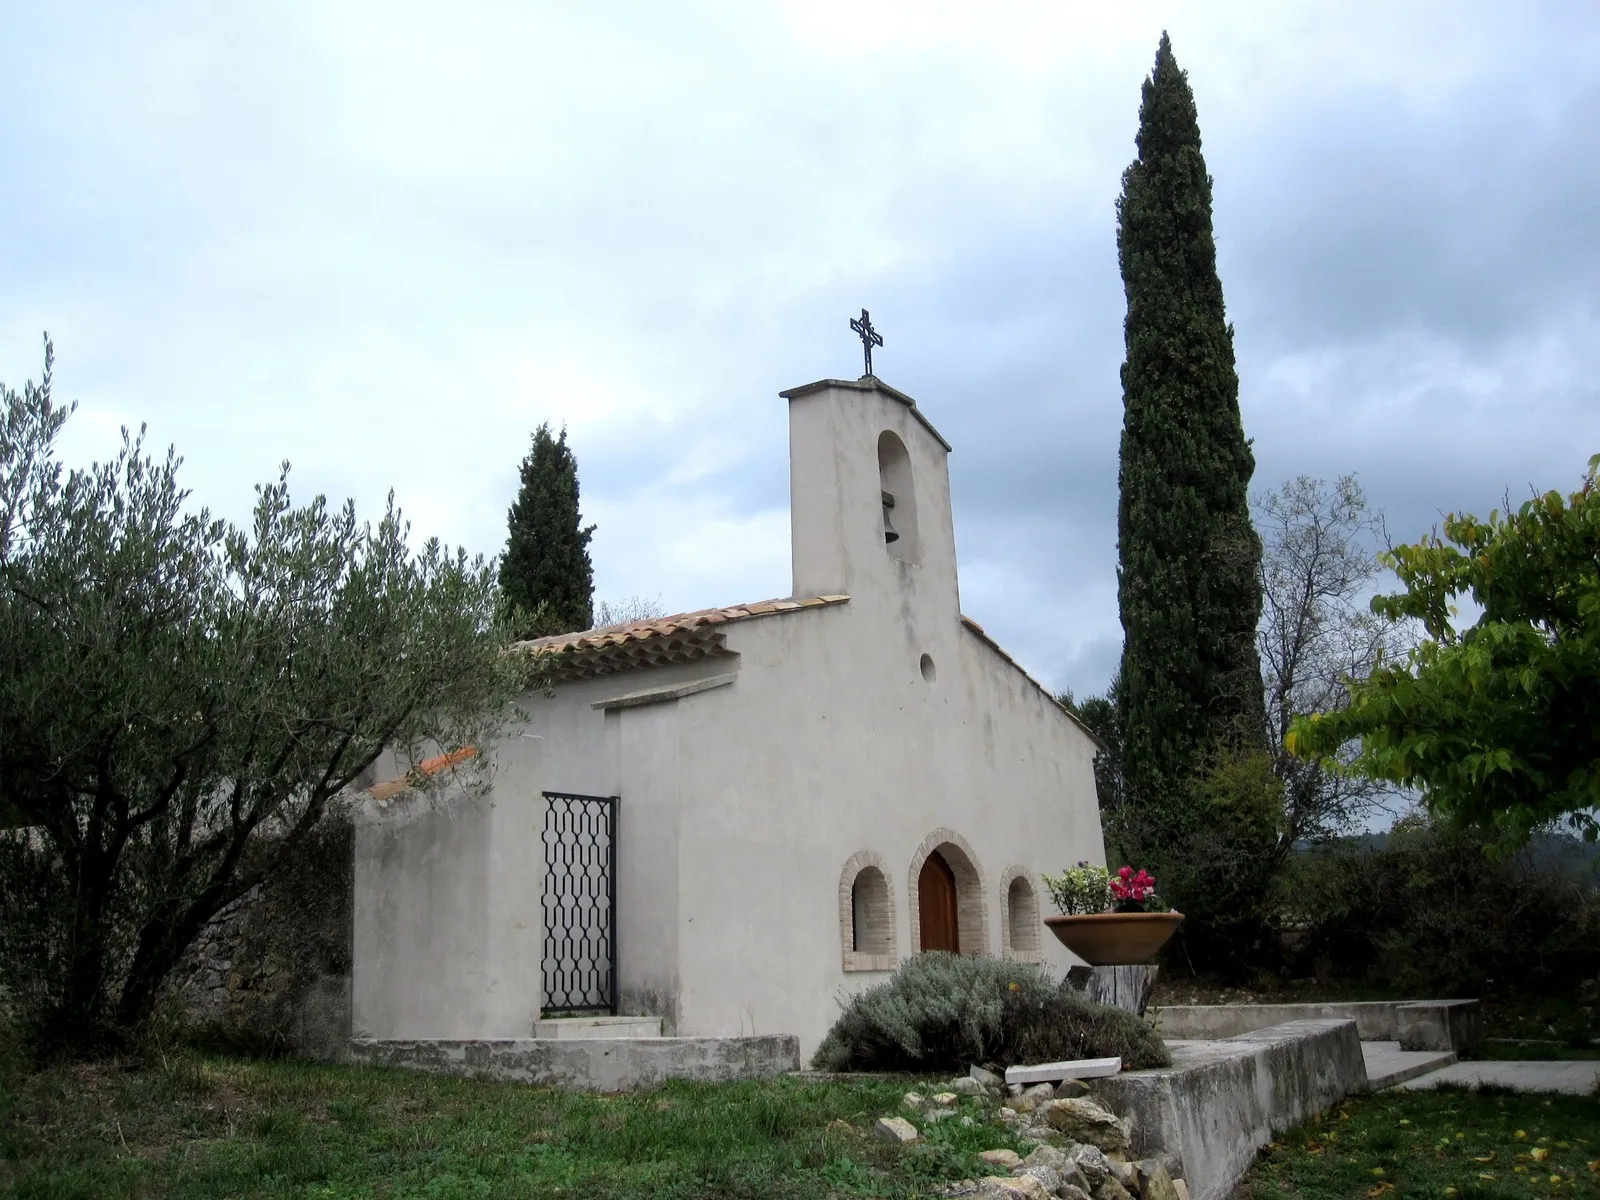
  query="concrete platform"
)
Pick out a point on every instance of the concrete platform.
point(597, 1027)
point(1571, 1078)
point(1414, 1024)
point(603, 1064)
point(1388, 1064)
point(1223, 1099)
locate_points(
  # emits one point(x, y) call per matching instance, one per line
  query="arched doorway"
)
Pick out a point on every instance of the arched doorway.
point(936, 905)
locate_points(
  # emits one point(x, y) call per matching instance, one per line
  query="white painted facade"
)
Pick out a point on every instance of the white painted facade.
point(755, 782)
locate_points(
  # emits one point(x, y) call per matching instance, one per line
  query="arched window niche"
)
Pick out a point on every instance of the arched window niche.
point(898, 498)
point(1019, 916)
point(866, 915)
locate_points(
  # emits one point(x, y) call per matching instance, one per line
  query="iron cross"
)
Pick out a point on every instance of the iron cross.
point(869, 336)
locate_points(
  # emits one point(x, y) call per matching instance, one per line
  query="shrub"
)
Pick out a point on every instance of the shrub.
point(943, 1011)
point(1430, 912)
point(1081, 890)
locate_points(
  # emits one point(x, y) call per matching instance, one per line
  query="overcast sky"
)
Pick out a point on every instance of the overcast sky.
point(385, 241)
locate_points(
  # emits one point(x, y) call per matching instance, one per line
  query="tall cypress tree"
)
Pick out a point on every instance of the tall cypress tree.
point(546, 572)
point(1188, 556)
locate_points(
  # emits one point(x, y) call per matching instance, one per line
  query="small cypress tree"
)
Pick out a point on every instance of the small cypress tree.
point(545, 572)
point(1188, 556)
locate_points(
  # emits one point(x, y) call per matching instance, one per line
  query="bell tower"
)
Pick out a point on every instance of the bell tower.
point(869, 496)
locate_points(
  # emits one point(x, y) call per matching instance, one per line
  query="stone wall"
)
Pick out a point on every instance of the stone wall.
point(272, 971)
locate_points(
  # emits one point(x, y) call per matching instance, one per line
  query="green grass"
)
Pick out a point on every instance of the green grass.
point(208, 1126)
point(1437, 1145)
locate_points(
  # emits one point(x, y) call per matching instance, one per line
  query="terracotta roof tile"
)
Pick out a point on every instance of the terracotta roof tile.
point(427, 767)
point(655, 641)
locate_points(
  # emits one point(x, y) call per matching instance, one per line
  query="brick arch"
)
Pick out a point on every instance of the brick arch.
point(1019, 916)
point(881, 919)
point(972, 902)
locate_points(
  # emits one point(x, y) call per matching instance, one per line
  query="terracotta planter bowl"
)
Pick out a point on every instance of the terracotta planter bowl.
point(1114, 939)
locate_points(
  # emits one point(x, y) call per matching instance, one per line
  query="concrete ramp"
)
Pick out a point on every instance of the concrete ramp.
point(1223, 1100)
point(1388, 1064)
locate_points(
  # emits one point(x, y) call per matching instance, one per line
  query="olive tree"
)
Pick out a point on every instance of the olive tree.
point(183, 701)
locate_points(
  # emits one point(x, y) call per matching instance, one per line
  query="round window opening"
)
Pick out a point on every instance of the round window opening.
point(929, 672)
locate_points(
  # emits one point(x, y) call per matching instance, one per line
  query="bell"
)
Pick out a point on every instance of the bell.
point(889, 534)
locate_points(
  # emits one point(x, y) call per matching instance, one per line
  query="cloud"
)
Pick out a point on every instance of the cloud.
point(385, 242)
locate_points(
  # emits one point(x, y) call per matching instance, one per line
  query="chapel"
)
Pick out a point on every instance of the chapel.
point(731, 819)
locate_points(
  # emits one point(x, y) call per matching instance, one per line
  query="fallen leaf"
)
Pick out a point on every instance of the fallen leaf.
point(1381, 1189)
point(1539, 1154)
point(1489, 1157)
point(1377, 1170)
point(1521, 1135)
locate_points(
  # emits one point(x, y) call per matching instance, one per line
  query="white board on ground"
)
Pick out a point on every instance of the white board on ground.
point(1083, 1068)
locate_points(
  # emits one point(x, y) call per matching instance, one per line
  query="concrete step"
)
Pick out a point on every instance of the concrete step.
point(565, 1028)
point(1575, 1078)
point(1388, 1065)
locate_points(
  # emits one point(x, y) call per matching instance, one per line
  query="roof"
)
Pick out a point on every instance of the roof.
point(689, 637)
point(656, 641)
point(426, 768)
point(1023, 671)
point(868, 383)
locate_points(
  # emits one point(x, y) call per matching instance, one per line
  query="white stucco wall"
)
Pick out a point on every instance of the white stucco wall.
point(447, 936)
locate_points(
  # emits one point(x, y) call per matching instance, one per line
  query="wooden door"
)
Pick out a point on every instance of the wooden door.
point(936, 905)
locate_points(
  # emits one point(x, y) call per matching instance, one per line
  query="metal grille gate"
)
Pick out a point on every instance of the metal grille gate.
point(580, 903)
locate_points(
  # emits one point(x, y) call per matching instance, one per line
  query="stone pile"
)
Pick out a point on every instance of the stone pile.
point(1079, 1151)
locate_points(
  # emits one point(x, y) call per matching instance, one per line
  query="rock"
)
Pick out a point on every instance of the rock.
point(1155, 1182)
point(1091, 1160)
point(1017, 1187)
point(1070, 1191)
point(967, 1123)
point(945, 1099)
point(914, 1100)
point(895, 1129)
point(1110, 1189)
point(1014, 1089)
point(966, 1086)
point(1124, 1172)
point(1083, 1121)
point(1041, 1092)
point(1069, 1089)
point(1005, 1159)
point(1048, 1176)
point(986, 1077)
point(1022, 1104)
point(1047, 1156)
point(1010, 1116)
point(1180, 1189)
point(1072, 1176)
point(938, 1114)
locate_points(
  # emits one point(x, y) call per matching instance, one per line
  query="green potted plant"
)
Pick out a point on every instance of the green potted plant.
point(1107, 919)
